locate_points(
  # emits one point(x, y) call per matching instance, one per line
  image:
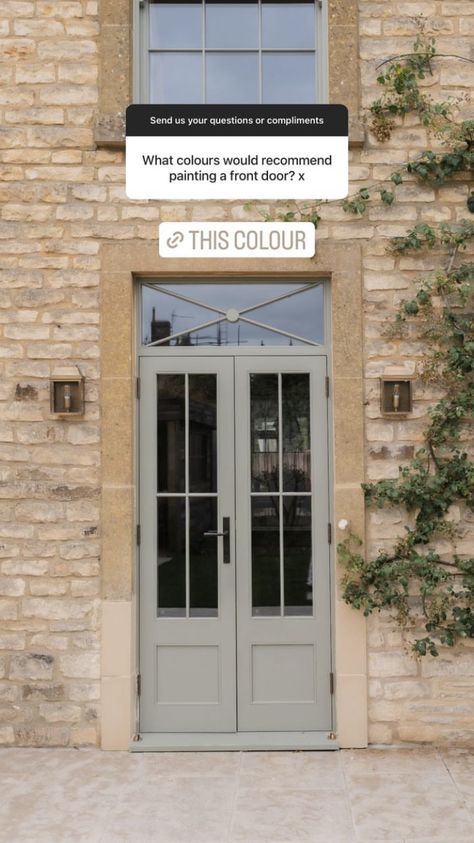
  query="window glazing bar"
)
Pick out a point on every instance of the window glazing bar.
point(186, 486)
point(280, 496)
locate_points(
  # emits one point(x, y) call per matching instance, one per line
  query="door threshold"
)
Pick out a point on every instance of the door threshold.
point(221, 741)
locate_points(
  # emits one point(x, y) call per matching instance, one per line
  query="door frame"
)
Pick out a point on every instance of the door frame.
point(122, 265)
point(250, 739)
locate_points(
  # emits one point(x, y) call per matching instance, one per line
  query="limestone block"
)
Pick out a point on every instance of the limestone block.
point(30, 568)
point(83, 691)
point(67, 156)
point(43, 692)
point(42, 736)
point(85, 588)
point(46, 588)
point(16, 48)
point(389, 664)
point(458, 664)
point(60, 712)
point(381, 710)
point(82, 28)
point(12, 586)
point(39, 511)
point(49, 116)
point(38, 27)
point(32, 666)
point(84, 736)
point(380, 733)
point(82, 666)
point(12, 641)
point(7, 735)
point(35, 74)
point(8, 610)
point(52, 609)
point(68, 95)
point(82, 511)
point(76, 550)
point(8, 693)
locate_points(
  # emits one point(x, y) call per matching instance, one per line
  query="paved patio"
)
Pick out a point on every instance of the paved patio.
point(358, 796)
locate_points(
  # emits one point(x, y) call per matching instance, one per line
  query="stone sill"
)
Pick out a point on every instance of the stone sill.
point(109, 132)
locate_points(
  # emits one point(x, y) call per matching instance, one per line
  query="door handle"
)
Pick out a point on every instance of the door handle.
point(225, 534)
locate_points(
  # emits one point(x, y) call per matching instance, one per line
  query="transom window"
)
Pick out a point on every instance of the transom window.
point(250, 52)
point(286, 313)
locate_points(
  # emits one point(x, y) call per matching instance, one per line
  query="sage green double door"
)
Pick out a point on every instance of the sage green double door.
point(234, 557)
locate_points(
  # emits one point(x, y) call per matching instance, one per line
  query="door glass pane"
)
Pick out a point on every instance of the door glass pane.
point(171, 557)
point(202, 558)
point(302, 314)
point(289, 78)
point(175, 78)
point(297, 556)
point(202, 433)
point(265, 556)
point(296, 433)
point(231, 25)
point(287, 25)
point(171, 433)
point(232, 77)
point(264, 432)
point(175, 25)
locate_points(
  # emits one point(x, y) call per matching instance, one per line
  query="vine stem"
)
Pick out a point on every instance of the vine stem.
point(452, 258)
point(426, 55)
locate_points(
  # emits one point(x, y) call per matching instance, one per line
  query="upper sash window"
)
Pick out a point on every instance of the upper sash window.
point(214, 52)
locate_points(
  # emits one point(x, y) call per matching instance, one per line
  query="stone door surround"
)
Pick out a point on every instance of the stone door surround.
point(122, 265)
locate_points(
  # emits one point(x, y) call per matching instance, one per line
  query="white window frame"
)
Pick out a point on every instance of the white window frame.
point(141, 83)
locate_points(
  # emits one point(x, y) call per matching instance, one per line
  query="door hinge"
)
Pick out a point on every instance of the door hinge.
point(329, 533)
point(327, 386)
point(139, 685)
point(138, 388)
point(139, 534)
point(331, 683)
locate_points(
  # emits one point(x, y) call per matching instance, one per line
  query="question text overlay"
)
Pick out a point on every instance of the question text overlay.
point(237, 152)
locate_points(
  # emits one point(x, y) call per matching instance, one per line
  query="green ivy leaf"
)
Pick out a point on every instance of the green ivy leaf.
point(387, 197)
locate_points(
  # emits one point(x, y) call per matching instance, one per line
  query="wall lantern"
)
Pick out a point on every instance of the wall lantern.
point(395, 397)
point(67, 394)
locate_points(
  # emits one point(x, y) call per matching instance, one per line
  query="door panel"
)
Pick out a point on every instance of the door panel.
point(187, 592)
point(282, 560)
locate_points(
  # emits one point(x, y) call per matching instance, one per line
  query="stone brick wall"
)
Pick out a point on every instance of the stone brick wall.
point(61, 199)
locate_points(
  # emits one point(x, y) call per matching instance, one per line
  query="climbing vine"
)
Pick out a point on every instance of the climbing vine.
point(424, 580)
